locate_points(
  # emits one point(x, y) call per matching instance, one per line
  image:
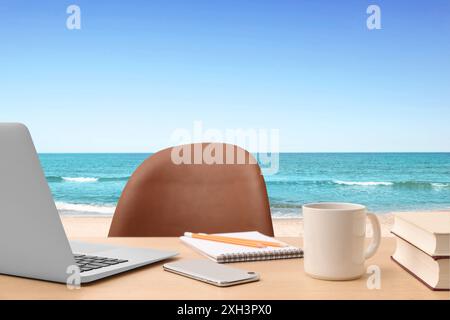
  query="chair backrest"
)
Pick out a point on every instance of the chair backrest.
point(208, 188)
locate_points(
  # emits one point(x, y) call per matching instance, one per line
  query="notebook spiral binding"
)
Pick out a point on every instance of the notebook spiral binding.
point(259, 256)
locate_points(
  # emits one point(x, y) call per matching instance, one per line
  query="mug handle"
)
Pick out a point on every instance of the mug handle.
point(376, 238)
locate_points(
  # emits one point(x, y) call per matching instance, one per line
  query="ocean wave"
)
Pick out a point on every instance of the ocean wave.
point(85, 179)
point(284, 205)
point(65, 207)
point(439, 185)
point(397, 184)
point(86, 209)
point(80, 179)
point(411, 184)
point(285, 214)
point(367, 183)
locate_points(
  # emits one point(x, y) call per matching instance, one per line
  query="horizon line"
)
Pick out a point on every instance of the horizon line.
point(280, 152)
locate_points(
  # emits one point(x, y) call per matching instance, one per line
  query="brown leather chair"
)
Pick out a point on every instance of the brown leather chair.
point(165, 198)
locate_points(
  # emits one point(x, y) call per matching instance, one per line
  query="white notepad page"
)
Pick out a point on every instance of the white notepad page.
point(225, 252)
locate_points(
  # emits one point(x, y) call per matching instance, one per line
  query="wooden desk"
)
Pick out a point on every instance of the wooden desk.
point(280, 279)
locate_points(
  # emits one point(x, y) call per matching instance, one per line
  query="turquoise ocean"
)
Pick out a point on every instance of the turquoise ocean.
point(91, 184)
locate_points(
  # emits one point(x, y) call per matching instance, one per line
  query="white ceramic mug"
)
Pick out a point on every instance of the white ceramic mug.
point(334, 235)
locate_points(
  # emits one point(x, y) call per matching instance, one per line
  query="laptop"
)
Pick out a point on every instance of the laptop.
point(33, 243)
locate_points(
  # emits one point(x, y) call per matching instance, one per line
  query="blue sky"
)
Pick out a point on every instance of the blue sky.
point(138, 70)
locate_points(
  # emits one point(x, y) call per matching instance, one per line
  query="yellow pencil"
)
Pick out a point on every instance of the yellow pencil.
point(236, 241)
point(239, 241)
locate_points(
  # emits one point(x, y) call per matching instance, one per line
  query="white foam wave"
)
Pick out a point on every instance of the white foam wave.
point(439, 185)
point(367, 183)
point(80, 179)
point(84, 208)
point(285, 213)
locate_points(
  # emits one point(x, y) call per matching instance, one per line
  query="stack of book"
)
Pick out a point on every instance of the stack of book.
point(423, 247)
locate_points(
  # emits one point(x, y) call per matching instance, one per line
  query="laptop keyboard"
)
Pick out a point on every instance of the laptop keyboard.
point(88, 263)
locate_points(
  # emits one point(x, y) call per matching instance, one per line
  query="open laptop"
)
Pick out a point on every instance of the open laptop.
point(33, 243)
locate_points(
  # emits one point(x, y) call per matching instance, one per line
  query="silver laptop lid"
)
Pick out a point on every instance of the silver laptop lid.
point(32, 239)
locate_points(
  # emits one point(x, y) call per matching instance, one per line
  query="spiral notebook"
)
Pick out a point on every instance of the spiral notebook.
point(224, 252)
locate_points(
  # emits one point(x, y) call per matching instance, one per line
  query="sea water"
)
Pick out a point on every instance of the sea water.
point(91, 184)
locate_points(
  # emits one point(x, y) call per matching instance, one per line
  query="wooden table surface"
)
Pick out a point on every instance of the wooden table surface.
point(280, 279)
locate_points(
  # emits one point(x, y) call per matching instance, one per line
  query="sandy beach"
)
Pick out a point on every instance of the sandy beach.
point(90, 226)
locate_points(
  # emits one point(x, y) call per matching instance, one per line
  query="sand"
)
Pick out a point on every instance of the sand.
point(89, 226)
point(97, 227)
